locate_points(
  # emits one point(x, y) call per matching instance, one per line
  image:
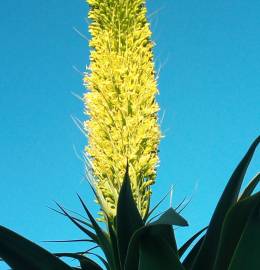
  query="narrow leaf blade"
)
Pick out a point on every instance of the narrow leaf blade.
point(251, 187)
point(103, 239)
point(85, 263)
point(190, 258)
point(128, 218)
point(187, 244)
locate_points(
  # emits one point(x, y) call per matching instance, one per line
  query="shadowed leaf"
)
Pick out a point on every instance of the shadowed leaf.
point(85, 263)
point(128, 218)
point(247, 252)
point(187, 244)
point(251, 187)
point(103, 238)
point(163, 232)
point(190, 258)
point(208, 250)
point(86, 231)
point(156, 254)
point(22, 254)
point(233, 228)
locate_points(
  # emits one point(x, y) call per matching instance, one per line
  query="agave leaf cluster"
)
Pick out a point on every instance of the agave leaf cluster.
point(231, 240)
point(123, 135)
point(120, 102)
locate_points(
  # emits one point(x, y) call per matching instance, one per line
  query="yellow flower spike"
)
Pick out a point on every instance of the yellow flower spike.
point(120, 102)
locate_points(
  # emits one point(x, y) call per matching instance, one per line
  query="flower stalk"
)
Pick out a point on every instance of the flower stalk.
point(122, 123)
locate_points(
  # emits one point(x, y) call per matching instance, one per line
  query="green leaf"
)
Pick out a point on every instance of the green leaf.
point(163, 232)
point(83, 229)
point(233, 227)
point(103, 239)
point(22, 254)
point(190, 258)
point(155, 253)
point(69, 241)
point(187, 244)
point(247, 251)
point(75, 218)
point(251, 187)
point(85, 263)
point(171, 217)
point(128, 218)
point(207, 253)
point(132, 257)
point(113, 238)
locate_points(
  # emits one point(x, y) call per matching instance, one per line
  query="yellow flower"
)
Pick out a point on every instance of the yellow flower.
point(120, 102)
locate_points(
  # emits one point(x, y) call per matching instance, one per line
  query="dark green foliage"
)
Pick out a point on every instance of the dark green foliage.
point(246, 255)
point(234, 227)
point(128, 218)
point(250, 188)
point(85, 263)
point(191, 256)
point(206, 257)
point(207, 254)
point(156, 253)
point(22, 254)
point(186, 245)
point(231, 241)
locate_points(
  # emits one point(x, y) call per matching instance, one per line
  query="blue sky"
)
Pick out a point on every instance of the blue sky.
point(208, 57)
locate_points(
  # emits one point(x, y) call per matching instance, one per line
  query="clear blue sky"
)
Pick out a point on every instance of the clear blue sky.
point(208, 54)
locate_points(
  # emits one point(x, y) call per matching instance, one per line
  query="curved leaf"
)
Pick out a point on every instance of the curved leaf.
point(233, 227)
point(187, 244)
point(22, 254)
point(85, 263)
point(251, 187)
point(208, 250)
point(190, 258)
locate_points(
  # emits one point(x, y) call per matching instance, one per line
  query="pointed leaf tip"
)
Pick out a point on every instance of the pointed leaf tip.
point(128, 218)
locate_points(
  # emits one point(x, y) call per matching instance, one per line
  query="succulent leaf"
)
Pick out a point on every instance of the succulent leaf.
point(128, 218)
point(155, 253)
point(22, 254)
point(246, 255)
point(187, 244)
point(250, 187)
point(234, 228)
point(207, 254)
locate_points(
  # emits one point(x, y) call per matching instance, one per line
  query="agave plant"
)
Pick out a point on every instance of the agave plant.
point(123, 135)
point(231, 240)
